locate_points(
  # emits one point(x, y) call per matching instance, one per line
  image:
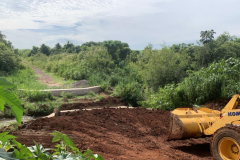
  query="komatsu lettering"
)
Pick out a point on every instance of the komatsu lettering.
point(233, 113)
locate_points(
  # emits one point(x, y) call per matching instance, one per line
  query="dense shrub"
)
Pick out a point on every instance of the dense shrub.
point(25, 79)
point(36, 95)
point(130, 92)
point(112, 64)
point(216, 81)
point(9, 61)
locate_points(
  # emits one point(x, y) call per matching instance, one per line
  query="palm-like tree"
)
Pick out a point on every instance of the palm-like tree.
point(206, 36)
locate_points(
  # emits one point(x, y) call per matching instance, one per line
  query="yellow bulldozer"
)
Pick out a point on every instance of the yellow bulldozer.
point(223, 125)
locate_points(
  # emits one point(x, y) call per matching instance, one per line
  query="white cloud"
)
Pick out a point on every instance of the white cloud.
point(66, 13)
point(137, 22)
point(24, 38)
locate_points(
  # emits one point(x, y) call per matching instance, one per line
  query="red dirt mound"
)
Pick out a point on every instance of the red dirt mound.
point(117, 134)
point(219, 104)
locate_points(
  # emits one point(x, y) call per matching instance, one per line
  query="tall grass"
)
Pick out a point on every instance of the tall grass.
point(25, 79)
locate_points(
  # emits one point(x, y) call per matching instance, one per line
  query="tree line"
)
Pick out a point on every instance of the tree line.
point(139, 74)
point(117, 49)
point(9, 59)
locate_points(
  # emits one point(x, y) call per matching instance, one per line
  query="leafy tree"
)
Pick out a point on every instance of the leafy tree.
point(91, 43)
point(69, 47)
point(45, 49)
point(160, 67)
point(58, 46)
point(2, 37)
point(33, 51)
point(117, 50)
point(206, 54)
point(9, 61)
point(57, 49)
point(77, 48)
point(207, 36)
point(132, 57)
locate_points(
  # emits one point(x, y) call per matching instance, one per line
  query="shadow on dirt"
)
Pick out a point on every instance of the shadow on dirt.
point(201, 150)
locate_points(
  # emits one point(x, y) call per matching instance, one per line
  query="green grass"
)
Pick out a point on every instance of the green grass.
point(26, 79)
point(37, 103)
point(66, 84)
point(41, 108)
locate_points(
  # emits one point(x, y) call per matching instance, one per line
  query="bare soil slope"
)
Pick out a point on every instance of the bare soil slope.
point(117, 134)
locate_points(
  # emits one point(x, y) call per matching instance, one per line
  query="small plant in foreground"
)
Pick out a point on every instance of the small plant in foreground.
point(8, 97)
point(64, 150)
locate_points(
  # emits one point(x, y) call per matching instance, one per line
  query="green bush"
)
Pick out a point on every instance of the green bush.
point(39, 109)
point(219, 80)
point(36, 95)
point(9, 61)
point(130, 92)
point(67, 95)
point(91, 94)
point(114, 80)
point(104, 85)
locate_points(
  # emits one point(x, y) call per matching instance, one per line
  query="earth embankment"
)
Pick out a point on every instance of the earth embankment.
point(117, 134)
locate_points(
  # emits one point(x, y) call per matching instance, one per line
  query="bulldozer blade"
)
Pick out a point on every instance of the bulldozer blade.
point(176, 127)
point(191, 122)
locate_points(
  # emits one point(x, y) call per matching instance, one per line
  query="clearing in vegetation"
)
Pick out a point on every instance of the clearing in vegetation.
point(166, 78)
point(127, 133)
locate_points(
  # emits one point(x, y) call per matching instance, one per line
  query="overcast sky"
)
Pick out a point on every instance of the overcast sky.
point(136, 22)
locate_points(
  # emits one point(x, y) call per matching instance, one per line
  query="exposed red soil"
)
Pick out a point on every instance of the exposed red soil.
point(117, 134)
point(219, 104)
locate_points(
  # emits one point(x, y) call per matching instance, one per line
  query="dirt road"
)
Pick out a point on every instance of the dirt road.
point(43, 77)
point(116, 134)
